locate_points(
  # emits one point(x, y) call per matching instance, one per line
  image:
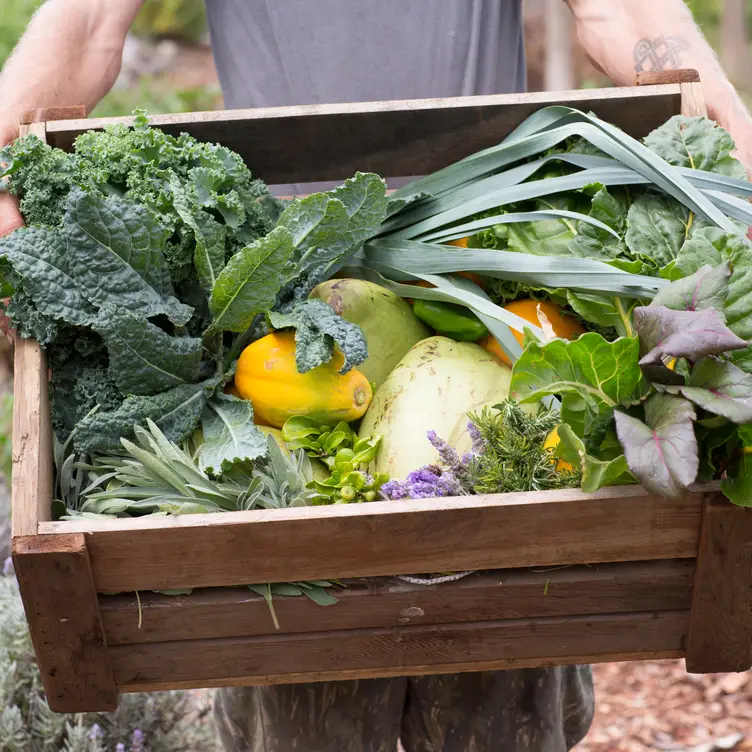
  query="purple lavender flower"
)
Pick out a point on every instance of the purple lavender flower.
point(447, 454)
point(427, 482)
point(479, 445)
point(95, 732)
point(8, 567)
point(137, 741)
point(120, 747)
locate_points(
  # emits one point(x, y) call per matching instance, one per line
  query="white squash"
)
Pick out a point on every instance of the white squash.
point(433, 387)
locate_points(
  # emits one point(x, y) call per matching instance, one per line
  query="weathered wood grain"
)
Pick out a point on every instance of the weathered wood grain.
point(681, 76)
point(693, 100)
point(506, 531)
point(511, 594)
point(31, 480)
point(57, 589)
point(404, 651)
point(720, 632)
point(393, 139)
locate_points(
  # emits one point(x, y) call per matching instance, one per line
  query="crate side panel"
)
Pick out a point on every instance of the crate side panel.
point(57, 589)
point(32, 440)
point(512, 594)
point(400, 651)
point(385, 538)
point(720, 634)
point(393, 139)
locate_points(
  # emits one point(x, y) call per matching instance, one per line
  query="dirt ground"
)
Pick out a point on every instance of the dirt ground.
point(656, 705)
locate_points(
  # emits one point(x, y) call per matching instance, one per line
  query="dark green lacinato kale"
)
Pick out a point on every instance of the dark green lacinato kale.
point(148, 262)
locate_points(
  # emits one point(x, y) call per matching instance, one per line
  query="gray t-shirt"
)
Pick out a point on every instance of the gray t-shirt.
point(285, 52)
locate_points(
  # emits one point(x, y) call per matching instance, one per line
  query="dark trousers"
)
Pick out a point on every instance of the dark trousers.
point(526, 710)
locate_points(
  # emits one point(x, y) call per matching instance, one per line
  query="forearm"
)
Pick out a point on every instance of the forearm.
point(625, 37)
point(70, 54)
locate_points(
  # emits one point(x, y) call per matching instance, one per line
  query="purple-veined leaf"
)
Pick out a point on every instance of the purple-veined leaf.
point(661, 452)
point(707, 288)
point(682, 334)
point(722, 388)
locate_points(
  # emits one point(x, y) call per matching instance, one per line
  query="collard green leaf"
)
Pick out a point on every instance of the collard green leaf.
point(596, 473)
point(721, 388)
point(320, 228)
point(603, 310)
point(38, 256)
point(657, 228)
point(597, 373)
point(210, 235)
point(144, 359)
point(737, 486)
point(682, 334)
point(696, 142)
point(249, 284)
point(317, 329)
point(708, 287)
point(662, 451)
point(546, 237)
point(365, 200)
point(230, 435)
point(609, 207)
point(114, 249)
point(176, 412)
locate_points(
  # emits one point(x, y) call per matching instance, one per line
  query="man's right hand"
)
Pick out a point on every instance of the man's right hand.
point(10, 219)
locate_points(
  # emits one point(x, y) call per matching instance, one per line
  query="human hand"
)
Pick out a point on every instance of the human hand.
point(10, 220)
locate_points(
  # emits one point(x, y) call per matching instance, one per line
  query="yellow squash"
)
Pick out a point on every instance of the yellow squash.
point(564, 326)
point(267, 376)
point(551, 442)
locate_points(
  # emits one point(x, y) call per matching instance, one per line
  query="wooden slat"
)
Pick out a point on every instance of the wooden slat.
point(393, 139)
point(720, 635)
point(693, 100)
point(402, 651)
point(57, 588)
point(385, 538)
point(681, 76)
point(31, 482)
point(512, 594)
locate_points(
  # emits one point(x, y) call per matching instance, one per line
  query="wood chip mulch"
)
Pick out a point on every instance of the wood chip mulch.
point(657, 705)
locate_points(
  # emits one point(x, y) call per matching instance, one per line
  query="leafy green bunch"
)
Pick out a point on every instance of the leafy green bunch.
point(655, 406)
point(149, 263)
point(343, 453)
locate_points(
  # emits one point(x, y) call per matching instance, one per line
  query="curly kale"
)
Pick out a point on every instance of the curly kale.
point(148, 166)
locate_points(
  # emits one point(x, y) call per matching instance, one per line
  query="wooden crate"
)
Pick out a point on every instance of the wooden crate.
point(567, 577)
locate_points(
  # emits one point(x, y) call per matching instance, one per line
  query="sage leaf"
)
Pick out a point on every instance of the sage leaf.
point(682, 334)
point(144, 359)
point(249, 284)
point(661, 452)
point(115, 254)
point(317, 329)
point(230, 435)
point(721, 388)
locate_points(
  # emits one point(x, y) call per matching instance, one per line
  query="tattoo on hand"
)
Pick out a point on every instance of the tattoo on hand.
point(661, 53)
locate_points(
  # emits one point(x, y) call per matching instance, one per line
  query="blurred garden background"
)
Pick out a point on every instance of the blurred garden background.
point(168, 67)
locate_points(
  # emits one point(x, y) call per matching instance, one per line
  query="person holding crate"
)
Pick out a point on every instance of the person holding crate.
point(291, 52)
